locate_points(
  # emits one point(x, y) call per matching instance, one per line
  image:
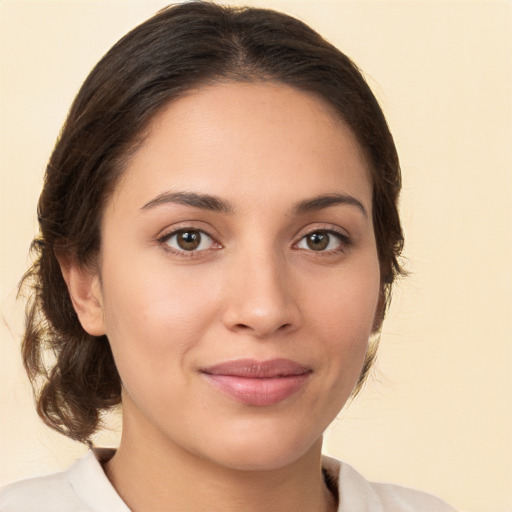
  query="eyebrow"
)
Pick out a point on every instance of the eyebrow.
point(203, 201)
point(320, 202)
point(218, 205)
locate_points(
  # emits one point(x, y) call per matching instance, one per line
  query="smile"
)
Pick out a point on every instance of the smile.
point(258, 383)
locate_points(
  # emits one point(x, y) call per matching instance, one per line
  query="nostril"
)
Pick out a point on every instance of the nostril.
point(242, 326)
point(261, 314)
point(261, 329)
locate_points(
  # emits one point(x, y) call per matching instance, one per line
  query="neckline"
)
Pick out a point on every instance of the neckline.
point(91, 485)
point(87, 470)
point(332, 485)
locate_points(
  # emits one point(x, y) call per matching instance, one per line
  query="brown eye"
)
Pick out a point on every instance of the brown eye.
point(318, 241)
point(323, 241)
point(188, 240)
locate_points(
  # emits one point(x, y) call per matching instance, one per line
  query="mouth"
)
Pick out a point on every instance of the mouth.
point(258, 383)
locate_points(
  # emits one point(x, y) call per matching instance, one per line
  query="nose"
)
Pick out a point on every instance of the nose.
point(261, 298)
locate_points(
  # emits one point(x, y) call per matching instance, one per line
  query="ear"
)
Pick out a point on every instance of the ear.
point(84, 288)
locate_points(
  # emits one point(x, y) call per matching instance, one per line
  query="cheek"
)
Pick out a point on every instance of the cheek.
point(152, 315)
point(345, 317)
point(349, 301)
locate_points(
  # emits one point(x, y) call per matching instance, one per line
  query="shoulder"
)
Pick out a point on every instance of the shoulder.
point(356, 494)
point(49, 493)
point(84, 487)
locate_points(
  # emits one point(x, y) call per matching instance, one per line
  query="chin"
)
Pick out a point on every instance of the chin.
point(260, 451)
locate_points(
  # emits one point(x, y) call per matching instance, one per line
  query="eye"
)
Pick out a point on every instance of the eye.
point(188, 240)
point(323, 241)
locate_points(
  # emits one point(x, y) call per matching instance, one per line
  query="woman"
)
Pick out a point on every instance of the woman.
point(219, 238)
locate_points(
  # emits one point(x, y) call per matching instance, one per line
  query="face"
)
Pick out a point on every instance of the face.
point(238, 278)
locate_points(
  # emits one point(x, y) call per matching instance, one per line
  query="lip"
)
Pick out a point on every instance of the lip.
point(258, 383)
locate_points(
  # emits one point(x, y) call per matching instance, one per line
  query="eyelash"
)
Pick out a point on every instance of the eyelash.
point(344, 241)
point(164, 242)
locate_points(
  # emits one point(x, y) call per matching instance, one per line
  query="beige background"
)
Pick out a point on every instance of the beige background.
point(437, 414)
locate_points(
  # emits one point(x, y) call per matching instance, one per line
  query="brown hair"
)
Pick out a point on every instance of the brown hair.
point(180, 48)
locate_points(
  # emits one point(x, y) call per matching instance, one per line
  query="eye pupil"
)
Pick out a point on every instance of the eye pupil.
point(318, 241)
point(188, 240)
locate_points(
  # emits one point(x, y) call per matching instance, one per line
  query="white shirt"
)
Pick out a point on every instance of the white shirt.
point(84, 487)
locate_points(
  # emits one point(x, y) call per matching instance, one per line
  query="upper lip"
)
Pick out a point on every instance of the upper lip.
point(250, 368)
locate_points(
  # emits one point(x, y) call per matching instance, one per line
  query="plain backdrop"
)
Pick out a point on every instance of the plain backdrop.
point(436, 414)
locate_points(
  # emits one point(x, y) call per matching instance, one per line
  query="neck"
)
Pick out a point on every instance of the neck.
point(154, 474)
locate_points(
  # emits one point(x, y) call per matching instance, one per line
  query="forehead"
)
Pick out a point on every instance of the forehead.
point(255, 139)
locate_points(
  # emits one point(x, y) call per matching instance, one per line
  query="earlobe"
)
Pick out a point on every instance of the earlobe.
point(85, 291)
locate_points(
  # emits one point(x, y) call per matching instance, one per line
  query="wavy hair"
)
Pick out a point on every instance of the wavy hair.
point(180, 48)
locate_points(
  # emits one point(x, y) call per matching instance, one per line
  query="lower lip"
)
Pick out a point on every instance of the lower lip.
point(258, 392)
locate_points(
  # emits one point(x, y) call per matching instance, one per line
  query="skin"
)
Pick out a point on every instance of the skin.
point(254, 289)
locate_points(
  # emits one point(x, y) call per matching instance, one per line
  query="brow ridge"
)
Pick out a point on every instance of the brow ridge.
point(325, 201)
point(216, 204)
point(202, 201)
